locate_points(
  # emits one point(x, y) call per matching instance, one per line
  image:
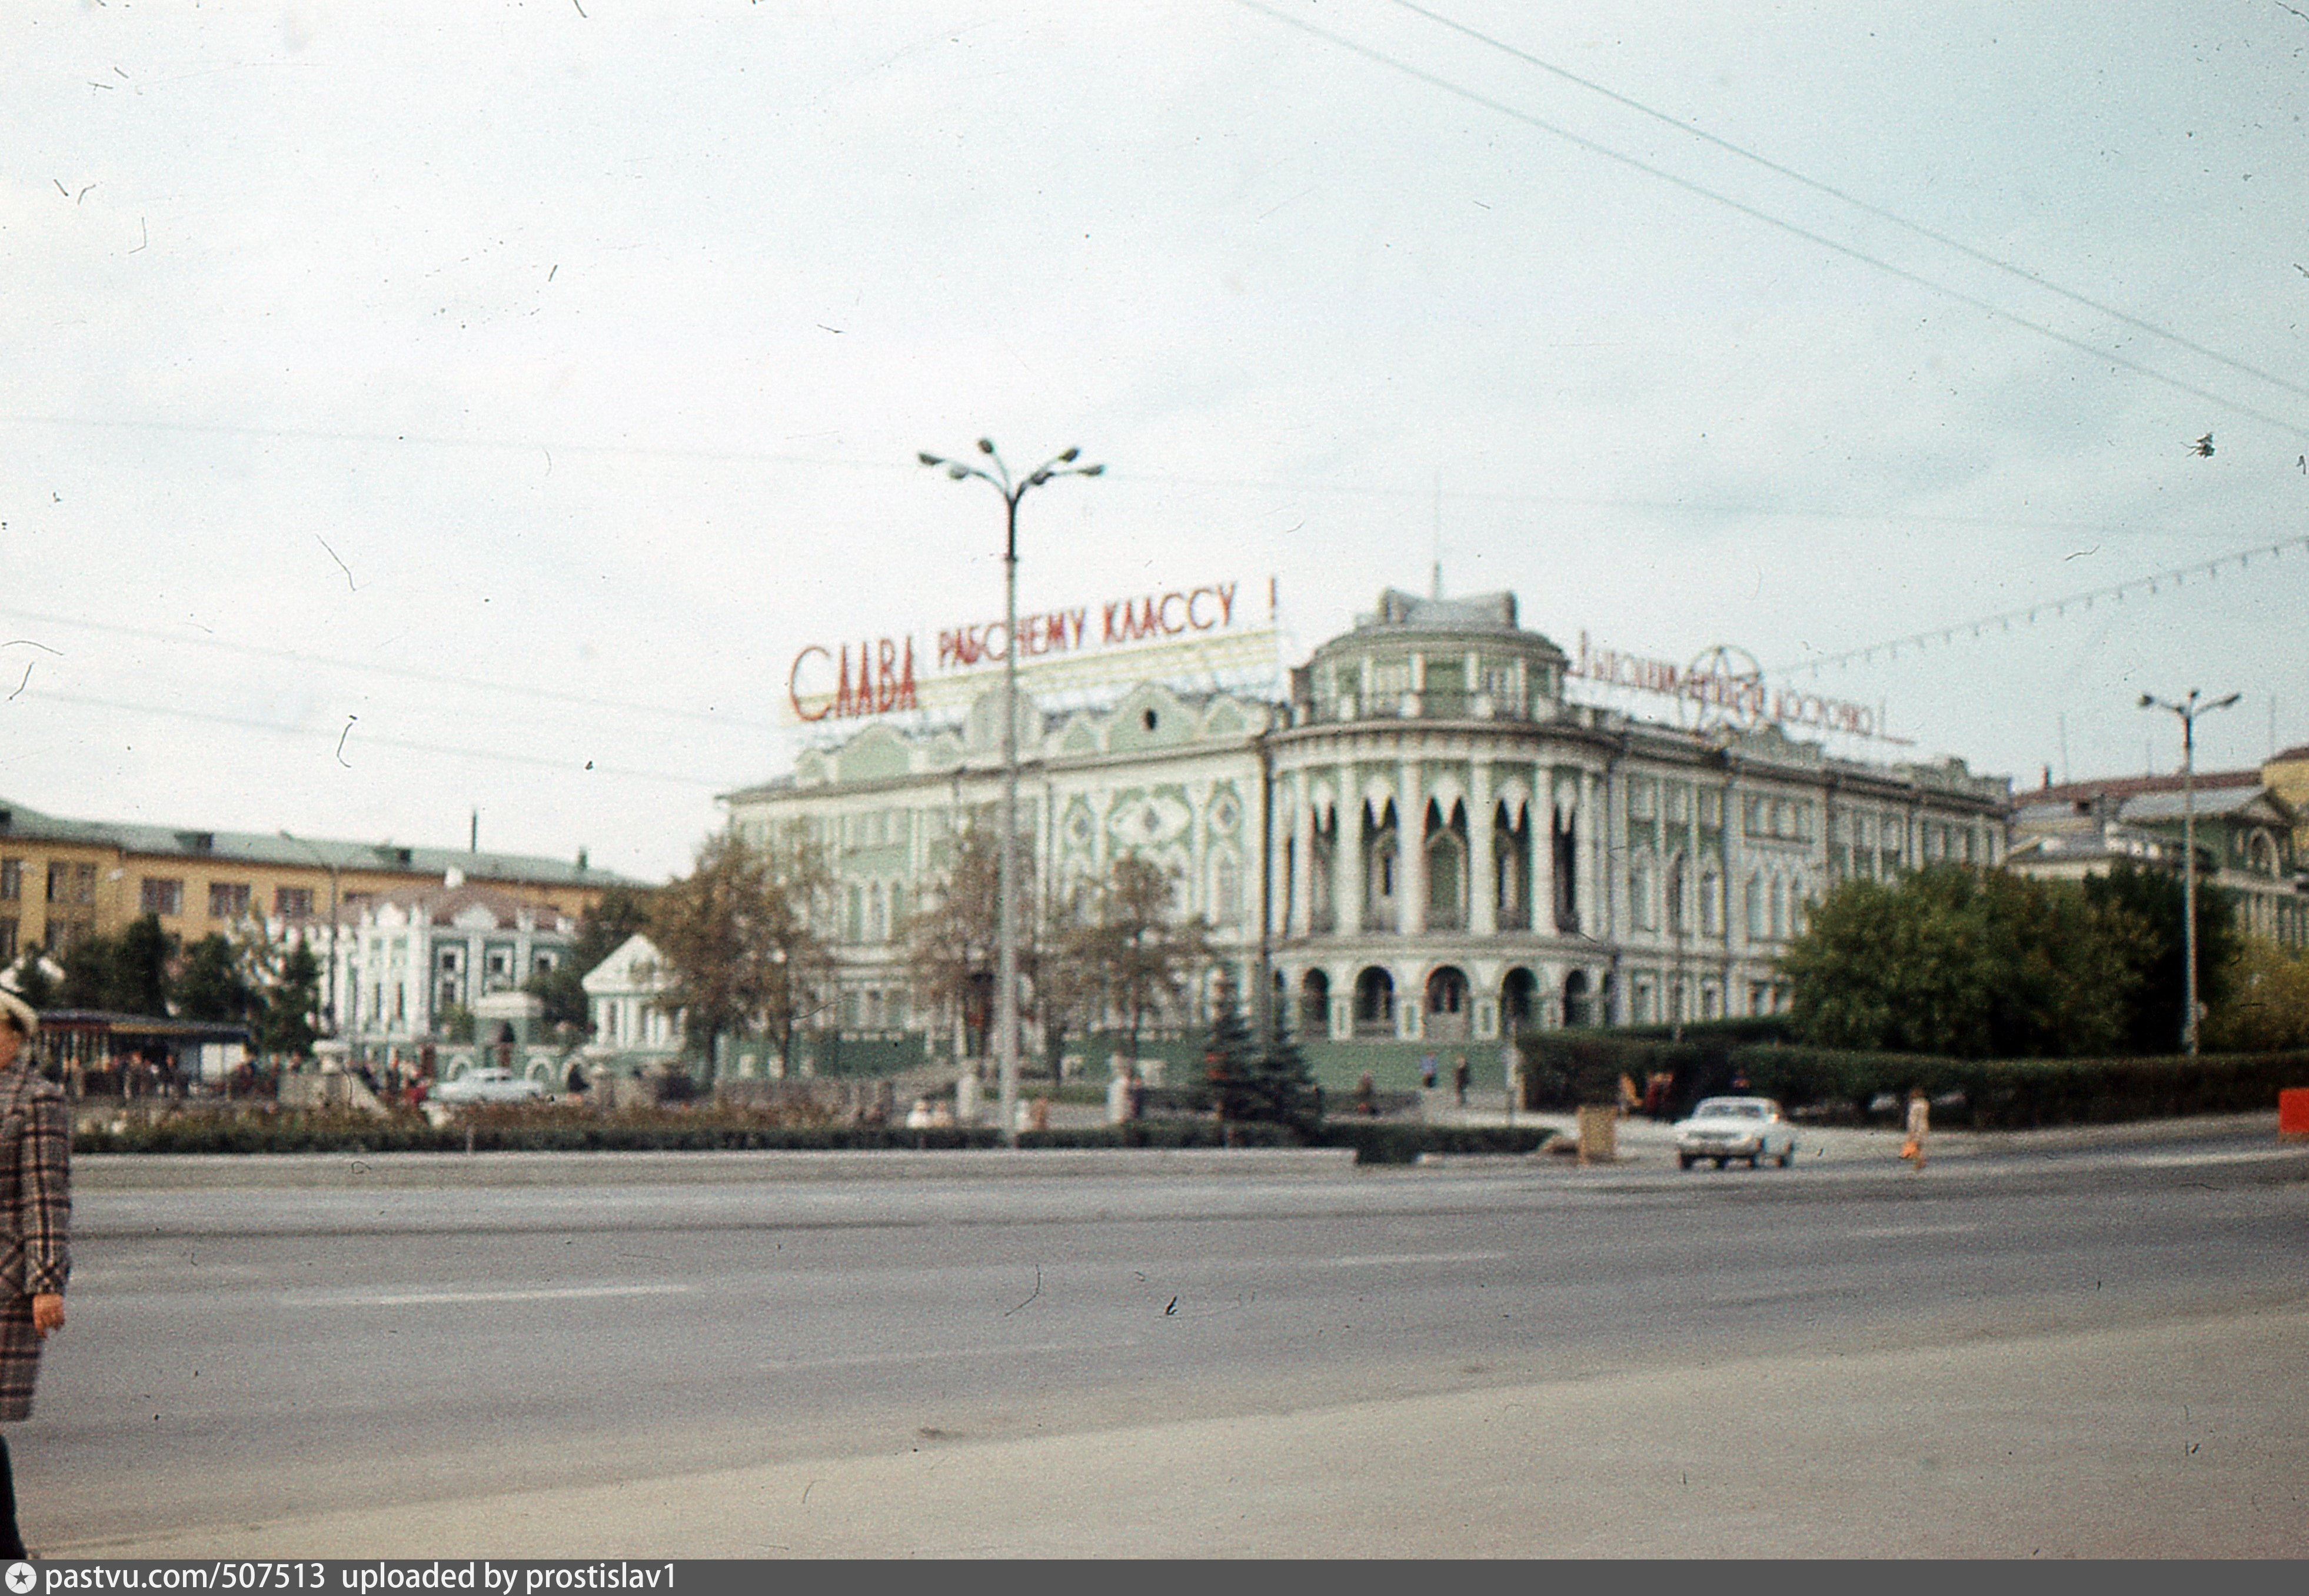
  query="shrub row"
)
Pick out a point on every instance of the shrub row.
point(514, 1132)
point(1563, 1069)
point(2019, 1093)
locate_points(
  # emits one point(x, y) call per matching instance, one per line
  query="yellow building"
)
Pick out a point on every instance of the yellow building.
point(62, 880)
point(2286, 775)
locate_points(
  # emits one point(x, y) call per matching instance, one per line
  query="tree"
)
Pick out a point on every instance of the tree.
point(1229, 1065)
point(602, 929)
point(212, 984)
point(951, 937)
point(1286, 1089)
point(287, 1026)
point(126, 974)
point(2156, 903)
point(737, 937)
point(1965, 962)
point(1132, 946)
point(2265, 1001)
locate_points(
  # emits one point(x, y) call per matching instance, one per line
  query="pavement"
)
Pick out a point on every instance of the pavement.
point(2140, 1440)
point(2163, 1435)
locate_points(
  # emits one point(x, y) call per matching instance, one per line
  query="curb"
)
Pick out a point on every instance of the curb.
point(150, 1172)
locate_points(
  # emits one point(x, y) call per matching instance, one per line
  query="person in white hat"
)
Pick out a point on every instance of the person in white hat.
point(35, 1218)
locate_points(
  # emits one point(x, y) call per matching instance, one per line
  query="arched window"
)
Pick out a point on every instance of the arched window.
point(1375, 1002)
point(1641, 908)
point(1518, 1000)
point(1755, 897)
point(1315, 1003)
point(1711, 903)
point(1779, 908)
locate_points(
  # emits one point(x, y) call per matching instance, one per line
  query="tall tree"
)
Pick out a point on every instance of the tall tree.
point(288, 1025)
point(1286, 1089)
point(1230, 1058)
point(213, 982)
point(2155, 902)
point(2264, 1005)
point(141, 956)
point(738, 938)
point(951, 936)
point(1965, 962)
point(1135, 946)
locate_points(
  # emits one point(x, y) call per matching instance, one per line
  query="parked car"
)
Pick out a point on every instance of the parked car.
point(491, 1084)
point(1728, 1128)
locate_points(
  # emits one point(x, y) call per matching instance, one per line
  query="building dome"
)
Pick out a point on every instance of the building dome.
point(1433, 659)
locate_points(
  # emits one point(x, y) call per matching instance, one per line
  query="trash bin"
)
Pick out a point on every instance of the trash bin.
point(1599, 1135)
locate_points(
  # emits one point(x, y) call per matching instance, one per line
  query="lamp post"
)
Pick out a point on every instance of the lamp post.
point(1006, 930)
point(2189, 710)
point(328, 998)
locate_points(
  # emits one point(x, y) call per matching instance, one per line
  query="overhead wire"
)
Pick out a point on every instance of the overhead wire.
point(568, 765)
point(2028, 614)
point(402, 673)
point(1757, 213)
point(1879, 212)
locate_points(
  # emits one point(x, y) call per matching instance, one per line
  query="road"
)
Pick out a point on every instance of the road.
point(2088, 1346)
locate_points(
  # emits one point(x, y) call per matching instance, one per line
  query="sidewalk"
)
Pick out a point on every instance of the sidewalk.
point(1643, 1141)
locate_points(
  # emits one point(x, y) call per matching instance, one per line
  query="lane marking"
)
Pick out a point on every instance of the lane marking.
point(1876, 1232)
point(405, 1299)
point(1386, 1259)
point(2189, 1160)
point(862, 1360)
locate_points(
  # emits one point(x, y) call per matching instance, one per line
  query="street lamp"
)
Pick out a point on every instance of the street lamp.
point(329, 999)
point(1005, 931)
point(2189, 710)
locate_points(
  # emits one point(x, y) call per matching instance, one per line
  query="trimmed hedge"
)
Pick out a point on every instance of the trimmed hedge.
point(2011, 1094)
point(510, 1131)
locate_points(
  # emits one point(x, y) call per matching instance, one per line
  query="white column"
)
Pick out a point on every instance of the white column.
point(1303, 862)
point(1586, 868)
point(1483, 871)
point(1540, 824)
point(1411, 850)
point(1347, 863)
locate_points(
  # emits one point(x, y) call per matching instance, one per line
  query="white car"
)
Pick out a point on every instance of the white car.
point(1728, 1128)
point(492, 1084)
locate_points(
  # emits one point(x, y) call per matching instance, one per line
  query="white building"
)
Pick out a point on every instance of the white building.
point(414, 957)
point(1424, 839)
point(623, 993)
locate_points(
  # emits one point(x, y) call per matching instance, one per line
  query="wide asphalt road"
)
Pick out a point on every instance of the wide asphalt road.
point(2062, 1346)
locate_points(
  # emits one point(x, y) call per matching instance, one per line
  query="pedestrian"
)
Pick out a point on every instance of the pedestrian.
point(35, 1217)
point(1427, 1071)
point(1459, 1078)
point(1920, 1123)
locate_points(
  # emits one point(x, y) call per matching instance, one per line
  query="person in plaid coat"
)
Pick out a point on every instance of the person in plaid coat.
point(35, 1215)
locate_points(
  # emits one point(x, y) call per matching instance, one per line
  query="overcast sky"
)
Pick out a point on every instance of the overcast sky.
point(477, 410)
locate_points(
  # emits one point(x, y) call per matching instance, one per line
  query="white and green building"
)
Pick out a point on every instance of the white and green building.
point(1422, 840)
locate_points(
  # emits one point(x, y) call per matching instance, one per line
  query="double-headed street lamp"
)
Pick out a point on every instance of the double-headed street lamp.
point(2189, 710)
point(1005, 931)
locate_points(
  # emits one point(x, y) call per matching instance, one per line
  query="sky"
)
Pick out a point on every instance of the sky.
point(443, 418)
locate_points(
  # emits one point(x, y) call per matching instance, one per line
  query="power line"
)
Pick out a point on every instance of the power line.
point(1756, 214)
point(1879, 212)
point(2027, 615)
point(1665, 507)
point(431, 677)
point(569, 766)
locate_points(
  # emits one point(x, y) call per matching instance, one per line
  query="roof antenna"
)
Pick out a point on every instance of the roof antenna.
point(1438, 579)
point(473, 841)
